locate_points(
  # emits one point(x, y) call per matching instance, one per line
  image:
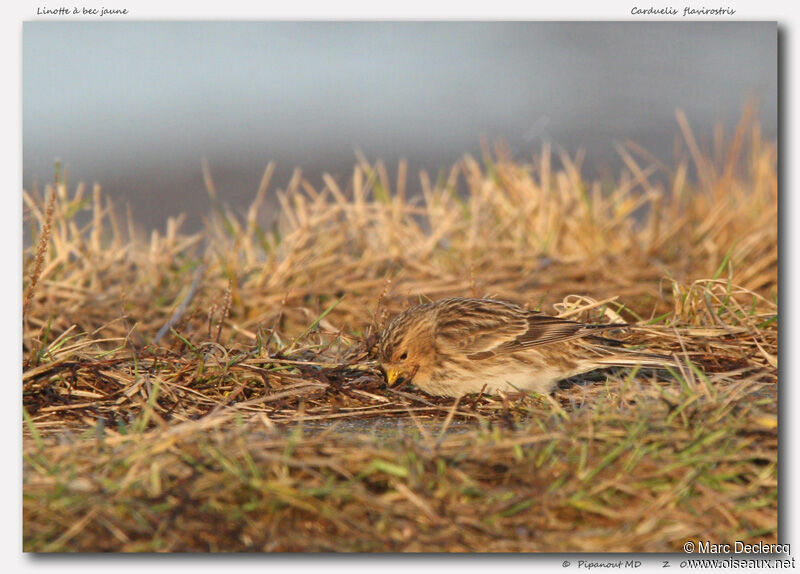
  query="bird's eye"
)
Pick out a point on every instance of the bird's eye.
point(404, 356)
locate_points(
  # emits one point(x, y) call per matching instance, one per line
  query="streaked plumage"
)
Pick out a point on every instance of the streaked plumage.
point(458, 346)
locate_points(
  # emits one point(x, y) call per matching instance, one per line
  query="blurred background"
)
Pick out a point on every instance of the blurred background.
point(136, 106)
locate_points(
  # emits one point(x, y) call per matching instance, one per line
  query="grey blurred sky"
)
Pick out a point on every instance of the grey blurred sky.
point(135, 106)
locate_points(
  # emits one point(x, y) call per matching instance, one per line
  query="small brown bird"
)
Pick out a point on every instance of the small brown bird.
point(457, 346)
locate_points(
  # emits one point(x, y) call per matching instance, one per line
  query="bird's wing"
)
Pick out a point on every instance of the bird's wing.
point(496, 328)
point(543, 330)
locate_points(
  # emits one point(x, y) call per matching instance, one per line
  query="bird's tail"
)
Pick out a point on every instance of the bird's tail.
point(638, 359)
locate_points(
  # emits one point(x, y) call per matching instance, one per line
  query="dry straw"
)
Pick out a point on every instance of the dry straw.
point(217, 390)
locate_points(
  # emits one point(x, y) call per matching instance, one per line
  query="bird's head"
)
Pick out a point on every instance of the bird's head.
point(406, 346)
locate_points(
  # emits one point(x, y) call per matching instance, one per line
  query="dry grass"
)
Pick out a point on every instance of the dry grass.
point(217, 391)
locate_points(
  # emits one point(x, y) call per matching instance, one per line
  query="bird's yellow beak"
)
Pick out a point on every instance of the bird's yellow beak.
point(392, 375)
